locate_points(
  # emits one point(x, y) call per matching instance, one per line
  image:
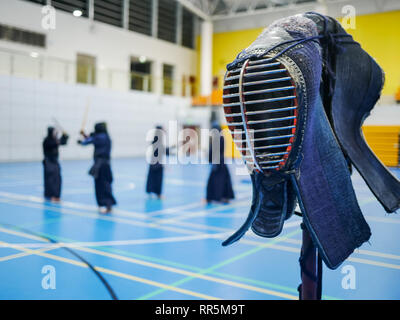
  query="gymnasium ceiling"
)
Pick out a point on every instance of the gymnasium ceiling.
point(215, 9)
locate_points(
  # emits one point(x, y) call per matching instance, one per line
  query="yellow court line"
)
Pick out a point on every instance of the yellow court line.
point(190, 274)
point(106, 218)
point(244, 241)
point(378, 254)
point(114, 273)
point(375, 263)
point(175, 270)
point(22, 254)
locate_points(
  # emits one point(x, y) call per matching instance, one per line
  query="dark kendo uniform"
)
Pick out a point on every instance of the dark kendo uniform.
point(219, 186)
point(51, 166)
point(101, 169)
point(156, 169)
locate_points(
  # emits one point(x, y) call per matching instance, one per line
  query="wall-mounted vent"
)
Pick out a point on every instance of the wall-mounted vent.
point(167, 20)
point(140, 16)
point(109, 11)
point(22, 36)
point(71, 5)
point(44, 2)
point(187, 28)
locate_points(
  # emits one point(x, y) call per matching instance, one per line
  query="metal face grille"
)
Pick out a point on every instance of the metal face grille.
point(260, 104)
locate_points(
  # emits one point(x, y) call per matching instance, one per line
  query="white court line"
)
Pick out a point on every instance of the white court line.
point(383, 219)
point(96, 216)
point(74, 205)
point(374, 263)
point(120, 212)
point(174, 270)
point(209, 214)
point(21, 254)
point(179, 230)
point(176, 222)
point(66, 204)
point(199, 203)
point(202, 213)
point(114, 273)
point(90, 190)
point(120, 242)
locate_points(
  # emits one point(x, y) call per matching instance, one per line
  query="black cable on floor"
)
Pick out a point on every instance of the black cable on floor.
point(91, 267)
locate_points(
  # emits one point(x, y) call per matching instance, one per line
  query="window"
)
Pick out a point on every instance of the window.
point(85, 69)
point(188, 86)
point(71, 5)
point(192, 84)
point(141, 74)
point(140, 16)
point(187, 28)
point(109, 11)
point(167, 20)
point(22, 36)
point(168, 79)
point(184, 86)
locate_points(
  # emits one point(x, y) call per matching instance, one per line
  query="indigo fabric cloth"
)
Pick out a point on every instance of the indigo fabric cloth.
point(52, 178)
point(219, 184)
point(103, 183)
point(355, 86)
point(101, 169)
point(102, 144)
point(155, 173)
point(51, 166)
point(325, 193)
point(155, 179)
point(316, 172)
point(254, 209)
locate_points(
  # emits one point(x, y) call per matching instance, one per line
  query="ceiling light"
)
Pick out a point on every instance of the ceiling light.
point(77, 13)
point(142, 59)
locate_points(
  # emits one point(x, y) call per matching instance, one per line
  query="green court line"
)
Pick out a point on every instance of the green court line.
point(182, 266)
point(221, 264)
point(188, 267)
point(48, 221)
point(213, 273)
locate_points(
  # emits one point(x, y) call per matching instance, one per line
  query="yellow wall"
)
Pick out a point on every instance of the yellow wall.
point(227, 45)
point(384, 142)
point(379, 35)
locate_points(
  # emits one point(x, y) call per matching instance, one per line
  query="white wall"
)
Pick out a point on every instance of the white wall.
point(33, 90)
point(112, 46)
point(384, 115)
point(27, 107)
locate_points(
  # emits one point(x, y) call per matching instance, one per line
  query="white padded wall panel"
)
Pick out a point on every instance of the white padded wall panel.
point(5, 63)
point(27, 107)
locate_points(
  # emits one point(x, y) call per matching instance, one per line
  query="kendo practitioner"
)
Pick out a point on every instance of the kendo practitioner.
point(156, 168)
point(51, 166)
point(101, 169)
point(219, 185)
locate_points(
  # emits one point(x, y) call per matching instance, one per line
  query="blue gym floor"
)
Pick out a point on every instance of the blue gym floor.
point(169, 248)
